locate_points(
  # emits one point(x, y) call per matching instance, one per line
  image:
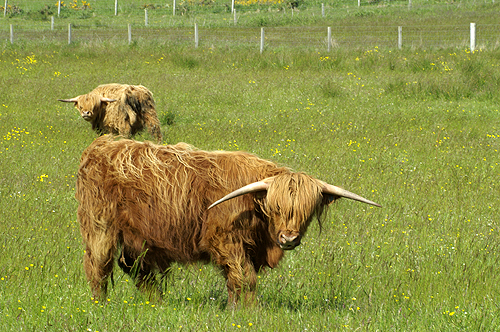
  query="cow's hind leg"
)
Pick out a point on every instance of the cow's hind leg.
point(153, 124)
point(143, 274)
point(98, 261)
point(151, 282)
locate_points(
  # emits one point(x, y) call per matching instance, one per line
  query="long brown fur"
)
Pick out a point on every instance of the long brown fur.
point(145, 205)
point(133, 110)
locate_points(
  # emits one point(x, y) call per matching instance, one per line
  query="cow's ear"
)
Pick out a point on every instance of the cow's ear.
point(261, 194)
point(329, 199)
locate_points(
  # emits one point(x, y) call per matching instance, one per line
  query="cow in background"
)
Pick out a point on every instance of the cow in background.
point(149, 206)
point(119, 109)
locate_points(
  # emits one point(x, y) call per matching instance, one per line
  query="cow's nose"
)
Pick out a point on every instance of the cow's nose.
point(288, 242)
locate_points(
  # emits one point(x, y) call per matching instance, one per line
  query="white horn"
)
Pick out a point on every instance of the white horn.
point(108, 100)
point(250, 188)
point(72, 100)
point(337, 191)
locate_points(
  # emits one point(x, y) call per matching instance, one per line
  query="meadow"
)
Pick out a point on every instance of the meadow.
point(416, 130)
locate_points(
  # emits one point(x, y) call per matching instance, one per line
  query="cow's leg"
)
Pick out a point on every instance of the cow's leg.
point(250, 284)
point(146, 282)
point(164, 268)
point(98, 261)
point(125, 129)
point(153, 124)
point(241, 281)
point(137, 268)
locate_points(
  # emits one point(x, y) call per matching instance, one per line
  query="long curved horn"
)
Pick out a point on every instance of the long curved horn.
point(107, 100)
point(337, 191)
point(250, 188)
point(72, 100)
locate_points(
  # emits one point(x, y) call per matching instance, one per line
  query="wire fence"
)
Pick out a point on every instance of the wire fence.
point(96, 22)
point(313, 38)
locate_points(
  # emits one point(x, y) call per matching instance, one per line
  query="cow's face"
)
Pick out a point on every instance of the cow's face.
point(89, 105)
point(291, 202)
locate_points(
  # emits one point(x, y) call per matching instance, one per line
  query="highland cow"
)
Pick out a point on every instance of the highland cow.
point(149, 206)
point(119, 109)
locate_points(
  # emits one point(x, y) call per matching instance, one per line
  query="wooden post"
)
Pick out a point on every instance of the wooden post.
point(232, 6)
point(235, 20)
point(400, 37)
point(359, 3)
point(329, 41)
point(472, 37)
point(11, 34)
point(145, 16)
point(261, 40)
point(5, 9)
point(116, 7)
point(409, 4)
point(52, 23)
point(58, 8)
point(196, 35)
point(173, 6)
point(129, 33)
point(69, 33)
point(322, 9)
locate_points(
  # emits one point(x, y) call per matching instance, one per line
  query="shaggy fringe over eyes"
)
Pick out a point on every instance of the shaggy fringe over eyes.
point(89, 103)
point(295, 196)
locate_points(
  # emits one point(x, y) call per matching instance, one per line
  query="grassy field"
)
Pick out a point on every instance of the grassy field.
point(417, 131)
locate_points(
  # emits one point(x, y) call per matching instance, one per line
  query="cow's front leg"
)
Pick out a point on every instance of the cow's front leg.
point(241, 282)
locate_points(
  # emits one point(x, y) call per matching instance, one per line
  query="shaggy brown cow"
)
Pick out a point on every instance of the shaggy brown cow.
point(149, 206)
point(119, 109)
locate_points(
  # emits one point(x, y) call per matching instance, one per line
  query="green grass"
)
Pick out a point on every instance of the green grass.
point(414, 130)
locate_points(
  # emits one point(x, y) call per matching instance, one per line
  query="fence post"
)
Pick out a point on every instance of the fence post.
point(261, 40)
point(52, 23)
point(5, 9)
point(145, 16)
point(11, 34)
point(409, 4)
point(196, 35)
point(69, 33)
point(58, 8)
point(116, 7)
point(322, 9)
point(400, 37)
point(329, 41)
point(129, 33)
point(173, 6)
point(235, 20)
point(472, 37)
point(359, 3)
point(232, 6)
